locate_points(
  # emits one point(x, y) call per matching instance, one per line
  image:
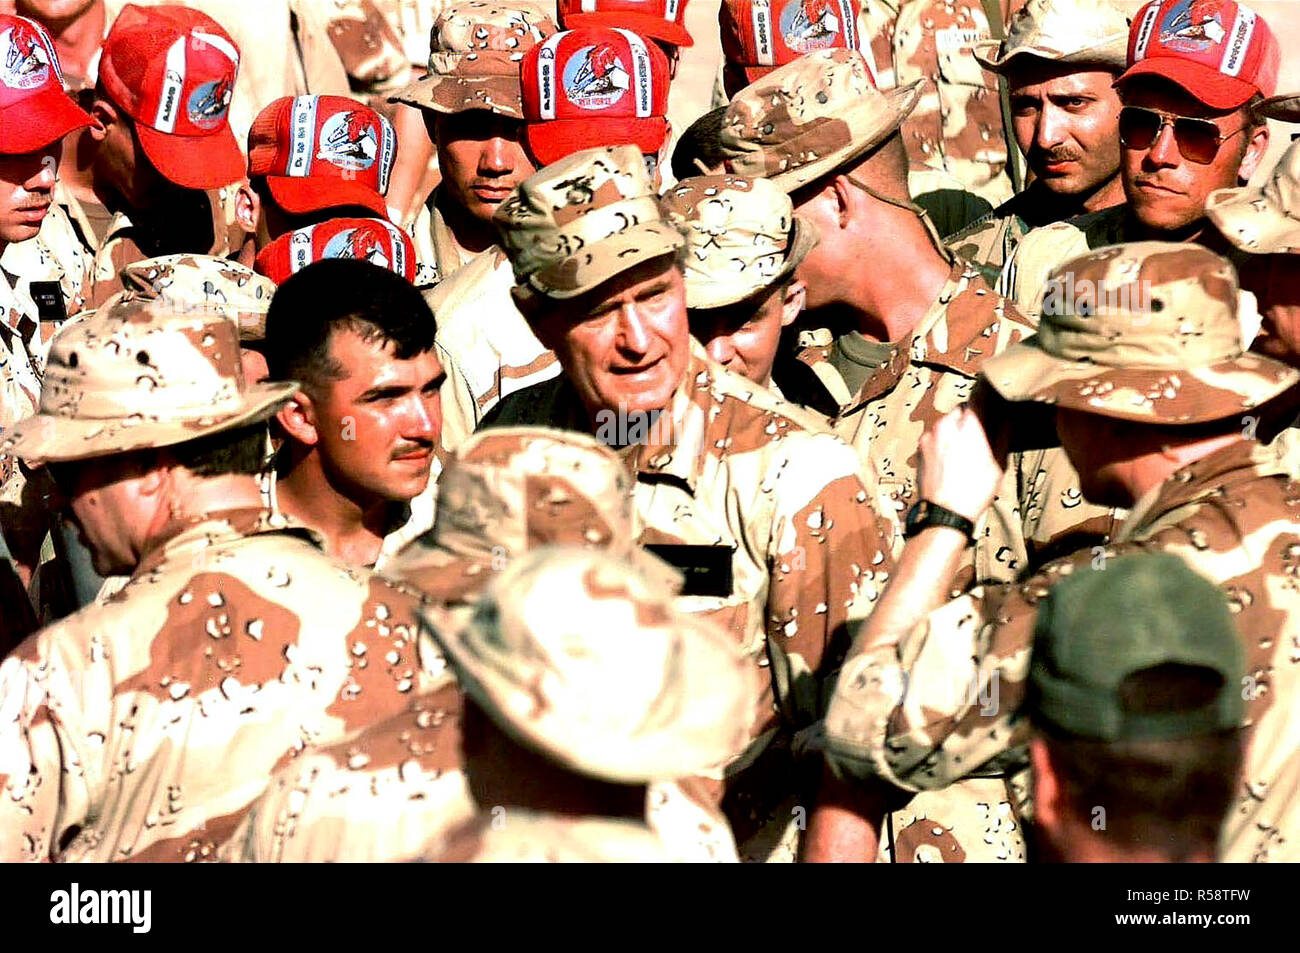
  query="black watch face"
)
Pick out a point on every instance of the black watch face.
point(916, 516)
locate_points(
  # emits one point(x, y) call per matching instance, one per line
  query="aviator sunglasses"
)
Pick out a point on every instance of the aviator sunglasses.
point(1198, 139)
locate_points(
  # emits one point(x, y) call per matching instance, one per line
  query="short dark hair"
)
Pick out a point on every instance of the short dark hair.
point(702, 141)
point(342, 294)
point(241, 450)
point(1170, 794)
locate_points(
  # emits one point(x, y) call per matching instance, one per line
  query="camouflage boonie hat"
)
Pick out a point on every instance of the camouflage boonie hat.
point(138, 374)
point(1283, 108)
point(579, 656)
point(1086, 32)
point(510, 490)
point(810, 117)
point(206, 284)
point(741, 236)
point(1264, 220)
point(1147, 331)
point(583, 220)
point(475, 48)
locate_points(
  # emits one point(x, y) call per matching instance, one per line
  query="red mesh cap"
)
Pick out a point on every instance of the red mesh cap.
point(172, 70)
point(34, 108)
point(594, 87)
point(322, 152)
point(760, 35)
point(365, 239)
point(1221, 52)
point(658, 19)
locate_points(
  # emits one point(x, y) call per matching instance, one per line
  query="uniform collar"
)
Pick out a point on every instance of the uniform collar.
point(186, 539)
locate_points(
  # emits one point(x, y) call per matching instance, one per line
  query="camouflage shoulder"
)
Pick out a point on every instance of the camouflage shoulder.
point(729, 384)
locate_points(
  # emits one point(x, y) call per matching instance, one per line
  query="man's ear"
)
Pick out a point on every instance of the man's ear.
point(1255, 152)
point(102, 116)
point(1047, 790)
point(298, 419)
point(844, 194)
point(796, 296)
point(248, 208)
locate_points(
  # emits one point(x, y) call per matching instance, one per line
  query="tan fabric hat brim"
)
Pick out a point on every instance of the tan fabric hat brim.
point(47, 438)
point(457, 94)
point(1285, 108)
point(1198, 395)
point(899, 105)
point(606, 258)
point(1246, 218)
point(681, 742)
point(1111, 53)
point(719, 294)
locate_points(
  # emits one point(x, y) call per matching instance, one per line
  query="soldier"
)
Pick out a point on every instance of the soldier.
point(313, 158)
point(761, 511)
point(1059, 59)
point(1137, 745)
point(141, 727)
point(386, 792)
point(471, 101)
point(743, 244)
point(77, 30)
point(663, 21)
point(615, 93)
point(361, 429)
point(566, 722)
point(35, 113)
point(161, 145)
point(1140, 354)
point(375, 240)
point(1187, 127)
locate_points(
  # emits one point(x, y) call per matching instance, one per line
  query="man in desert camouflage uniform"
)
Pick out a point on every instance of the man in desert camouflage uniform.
point(386, 792)
point(143, 726)
point(1214, 72)
point(761, 511)
point(1140, 354)
point(584, 684)
point(743, 244)
point(1059, 60)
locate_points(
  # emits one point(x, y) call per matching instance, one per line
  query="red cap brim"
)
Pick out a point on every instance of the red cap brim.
point(1201, 82)
point(642, 24)
point(552, 141)
point(299, 196)
point(36, 122)
point(194, 162)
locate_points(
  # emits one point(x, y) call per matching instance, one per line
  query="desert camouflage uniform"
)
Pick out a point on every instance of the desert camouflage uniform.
point(990, 241)
point(23, 514)
point(1042, 250)
point(529, 837)
point(55, 254)
point(437, 256)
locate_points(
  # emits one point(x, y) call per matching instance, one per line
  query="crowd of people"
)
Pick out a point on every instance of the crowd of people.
point(446, 458)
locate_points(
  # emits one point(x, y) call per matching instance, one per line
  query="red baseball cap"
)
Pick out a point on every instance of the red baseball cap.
point(596, 86)
point(35, 110)
point(172, 70)
point(657, 19)
point(1221, 52)
point(760, 35)
point(322, 152)
point(375, 240)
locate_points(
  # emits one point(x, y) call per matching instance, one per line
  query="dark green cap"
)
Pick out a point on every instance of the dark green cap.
point(1099, 626)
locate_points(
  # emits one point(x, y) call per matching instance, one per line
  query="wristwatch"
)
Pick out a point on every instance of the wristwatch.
point(923, 513)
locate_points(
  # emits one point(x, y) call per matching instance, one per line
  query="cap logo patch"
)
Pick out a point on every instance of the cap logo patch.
point(349, 141)
point(363, 244)
point(595, 77)
point(24, 61)
point(810, 25)
point(1193, 26)
point(210, 102)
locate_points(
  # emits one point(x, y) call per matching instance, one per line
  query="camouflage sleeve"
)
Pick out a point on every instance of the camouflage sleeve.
point(829, 560)
point(460, 412)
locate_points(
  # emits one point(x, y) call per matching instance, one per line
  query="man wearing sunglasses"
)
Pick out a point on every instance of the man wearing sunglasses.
point(1188, 127)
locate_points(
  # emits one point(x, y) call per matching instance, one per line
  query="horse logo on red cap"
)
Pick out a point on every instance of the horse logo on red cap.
point(595, 77)
point(363, 244)
point(810, 25)
point(1193, 26)
point(209, 103)
point(349, 140)
point(24, 63)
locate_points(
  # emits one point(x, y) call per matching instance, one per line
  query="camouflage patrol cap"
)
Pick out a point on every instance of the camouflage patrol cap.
point(205, 284)
point(1086, 32)
point(1098, 627)
point(475, 48)
point(510, 490)
point(1147, 331)
point(138, 374)
point(583, 220)
point(1263, 220)
point(811, 117)
point(741, 236)
point(577, 655)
